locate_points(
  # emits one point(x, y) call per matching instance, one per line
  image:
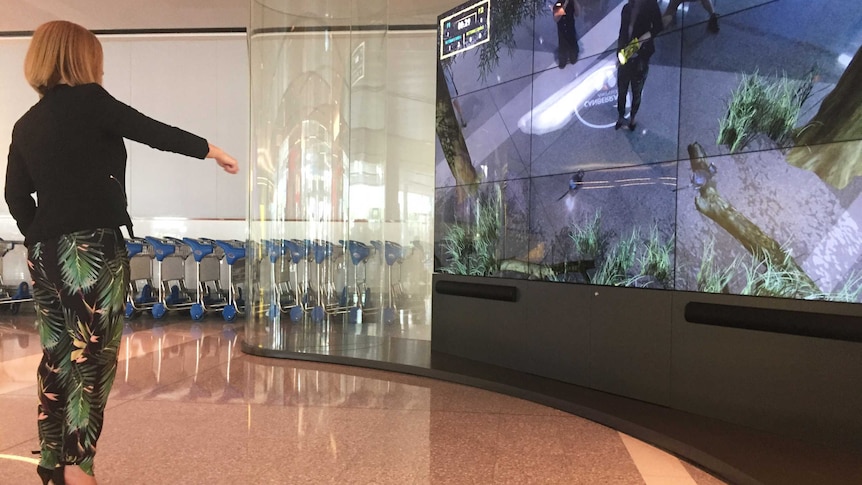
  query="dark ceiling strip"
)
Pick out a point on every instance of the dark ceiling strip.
point(242, 30)
point(204, 30)
point(413, 27)
point(17, 33)
point(341, 28)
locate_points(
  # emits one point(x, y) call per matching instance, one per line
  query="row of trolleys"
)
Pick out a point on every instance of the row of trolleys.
point(171, 293)
point(160, 288)
point(312, 290)
point(305, 278)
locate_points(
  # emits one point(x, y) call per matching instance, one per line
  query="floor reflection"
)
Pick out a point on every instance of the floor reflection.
point(186, 398)
point(186, 360)
point(407, 340)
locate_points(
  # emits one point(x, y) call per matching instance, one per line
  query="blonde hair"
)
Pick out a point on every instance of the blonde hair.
point(62, 52)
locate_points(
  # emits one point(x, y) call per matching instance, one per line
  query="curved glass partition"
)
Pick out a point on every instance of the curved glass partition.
point(340, 213)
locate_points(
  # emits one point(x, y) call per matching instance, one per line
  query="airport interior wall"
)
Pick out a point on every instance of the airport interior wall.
point(200, 82)
point(196, 82)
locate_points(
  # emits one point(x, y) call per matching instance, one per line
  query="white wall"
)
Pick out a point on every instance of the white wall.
point(15, 98)
point(196, 82)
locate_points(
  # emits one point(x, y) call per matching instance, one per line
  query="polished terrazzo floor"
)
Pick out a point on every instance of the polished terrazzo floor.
point(189, 408)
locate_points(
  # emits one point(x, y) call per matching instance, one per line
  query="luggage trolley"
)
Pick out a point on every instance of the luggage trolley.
point(234, 252)
point(12, 295)
point(207, 258)
point(283, 296)
point(357, 298)
point(140, 296)
point(326, 254)
point(394, 254)
point(301, 291)
point(173, 294)
point(337, 289)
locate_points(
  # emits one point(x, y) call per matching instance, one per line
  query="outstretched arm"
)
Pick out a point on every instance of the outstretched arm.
point(125, 121)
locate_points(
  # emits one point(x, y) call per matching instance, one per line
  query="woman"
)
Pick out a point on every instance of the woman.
point(68, 149)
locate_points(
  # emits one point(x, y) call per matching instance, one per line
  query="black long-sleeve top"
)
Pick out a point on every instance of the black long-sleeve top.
point(68, 149)
point(638, 18)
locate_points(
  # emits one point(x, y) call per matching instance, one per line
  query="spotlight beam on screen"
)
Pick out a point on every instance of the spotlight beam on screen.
point(557, 110)
point(554, 113)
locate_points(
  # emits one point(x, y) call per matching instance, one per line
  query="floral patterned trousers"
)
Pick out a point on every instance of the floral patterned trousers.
point(79, 289)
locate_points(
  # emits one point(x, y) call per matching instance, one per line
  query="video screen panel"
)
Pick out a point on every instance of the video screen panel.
point(772, 115)
point(740, 165)
point(610, 226)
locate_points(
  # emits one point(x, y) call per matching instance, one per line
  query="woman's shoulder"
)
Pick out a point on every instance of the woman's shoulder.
point(65, 91)
point(93, 89)
point(91, 96)
point(68, 97)
point(29, 117)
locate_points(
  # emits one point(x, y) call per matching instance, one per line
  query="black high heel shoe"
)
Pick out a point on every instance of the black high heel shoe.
point(45, 474)
point(55, 476)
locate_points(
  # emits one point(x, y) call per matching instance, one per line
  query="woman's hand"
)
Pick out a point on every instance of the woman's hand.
point(225, 161)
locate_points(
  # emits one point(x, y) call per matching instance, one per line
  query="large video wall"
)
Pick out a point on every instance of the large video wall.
point(740, 173)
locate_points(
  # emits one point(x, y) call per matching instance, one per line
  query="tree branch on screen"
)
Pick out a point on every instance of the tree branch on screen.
point(778, 265)
point(838, 119)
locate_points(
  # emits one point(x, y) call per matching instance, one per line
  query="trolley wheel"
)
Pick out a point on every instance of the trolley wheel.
point(296, 314)
point(159, 310)
point(354, 315)
point(197, 312)
point(318, 314)
point(229, 313)
point(130, 310)
point(23, 292)
point(389, 315)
